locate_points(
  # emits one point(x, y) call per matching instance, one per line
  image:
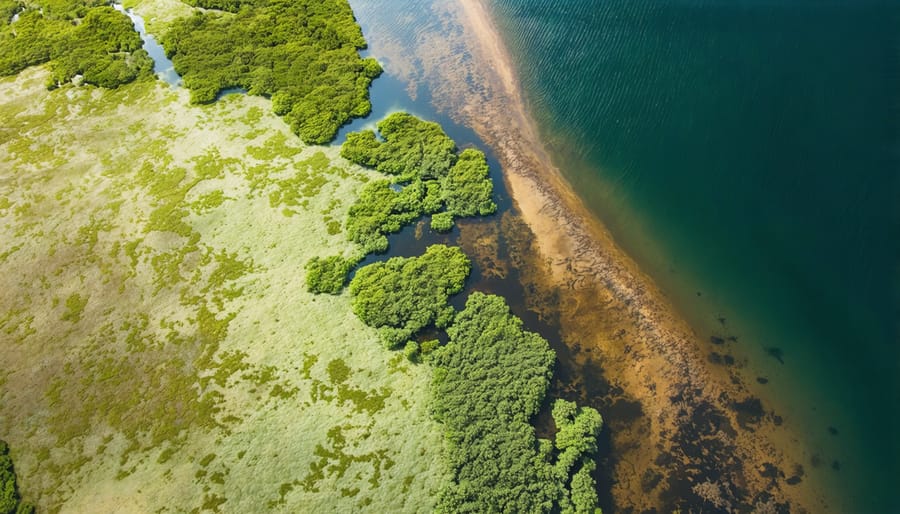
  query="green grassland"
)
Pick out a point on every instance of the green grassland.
point(161, 351)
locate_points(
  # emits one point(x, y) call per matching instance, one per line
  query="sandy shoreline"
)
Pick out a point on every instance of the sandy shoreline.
point(733, 454)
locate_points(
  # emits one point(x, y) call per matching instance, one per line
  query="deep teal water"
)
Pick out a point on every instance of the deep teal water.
point(746, 154)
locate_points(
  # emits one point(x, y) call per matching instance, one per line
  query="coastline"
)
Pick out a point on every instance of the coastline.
point(645, 347)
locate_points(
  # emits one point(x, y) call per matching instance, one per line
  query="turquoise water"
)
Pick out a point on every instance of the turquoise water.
point(745, 153)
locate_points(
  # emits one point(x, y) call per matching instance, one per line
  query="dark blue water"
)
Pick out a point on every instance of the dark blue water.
point(746, 154)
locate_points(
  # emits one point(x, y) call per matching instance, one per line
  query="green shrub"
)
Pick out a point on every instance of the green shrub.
point(8, 8)
point(66, 9)
point(442, 222)
point(576, 441)
point(467, 188)
point(412, 148)
point(401, 296)
point(489, 381)
point(411, 350)
point(422, 158)
point(10, 502)
point(381, 209)
point(427, 347)
point(328, 275)
point(432, 202)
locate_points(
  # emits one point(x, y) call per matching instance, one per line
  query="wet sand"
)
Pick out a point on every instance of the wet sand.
point(684, 431)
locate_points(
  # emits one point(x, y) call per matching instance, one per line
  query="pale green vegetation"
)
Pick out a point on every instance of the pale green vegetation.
point(87, 38)
point(303, 54)
point(161, 352)
point(158, 15)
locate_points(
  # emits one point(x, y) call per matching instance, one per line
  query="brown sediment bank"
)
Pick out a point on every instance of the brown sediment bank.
point(685, 432)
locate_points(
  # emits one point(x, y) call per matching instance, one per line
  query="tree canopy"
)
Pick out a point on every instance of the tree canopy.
point(401, 296)
point(412, 148)
point(76, 37)
point(382, 209)
point(492, 376)
point(303, 54)
point(428, 177)
point(10, 502)
point(467, 188)
point(328, 275)
point(8, 9)
point(489, 382)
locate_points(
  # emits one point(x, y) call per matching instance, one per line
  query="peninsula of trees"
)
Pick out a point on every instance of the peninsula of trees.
point(303, 54)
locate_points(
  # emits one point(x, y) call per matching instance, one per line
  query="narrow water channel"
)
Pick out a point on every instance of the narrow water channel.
point(162, 66)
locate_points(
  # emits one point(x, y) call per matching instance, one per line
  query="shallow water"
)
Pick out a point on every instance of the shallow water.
point(389, 94)
point(745, 154)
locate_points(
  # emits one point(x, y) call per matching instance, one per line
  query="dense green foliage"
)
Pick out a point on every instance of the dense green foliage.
point(29, 41)
point(490, 380)
point(412, 148)
point(104, 48)
point(442, 222)
point(301, 53)
point(381, 209)
point(328, 275)
point(8, 8)
point(10, 502)
point(429, 177)
point(467, 189)
point(576, 442)
point(401, 296)
point(84, 38)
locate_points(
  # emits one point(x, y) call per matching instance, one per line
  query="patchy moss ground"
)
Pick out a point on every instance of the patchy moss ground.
point(159, 14)
point(161, 353)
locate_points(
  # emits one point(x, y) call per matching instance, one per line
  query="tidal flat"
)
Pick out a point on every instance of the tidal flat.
point(161, 350)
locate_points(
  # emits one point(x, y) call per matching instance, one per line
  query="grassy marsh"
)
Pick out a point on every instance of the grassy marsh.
point(163, 353)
